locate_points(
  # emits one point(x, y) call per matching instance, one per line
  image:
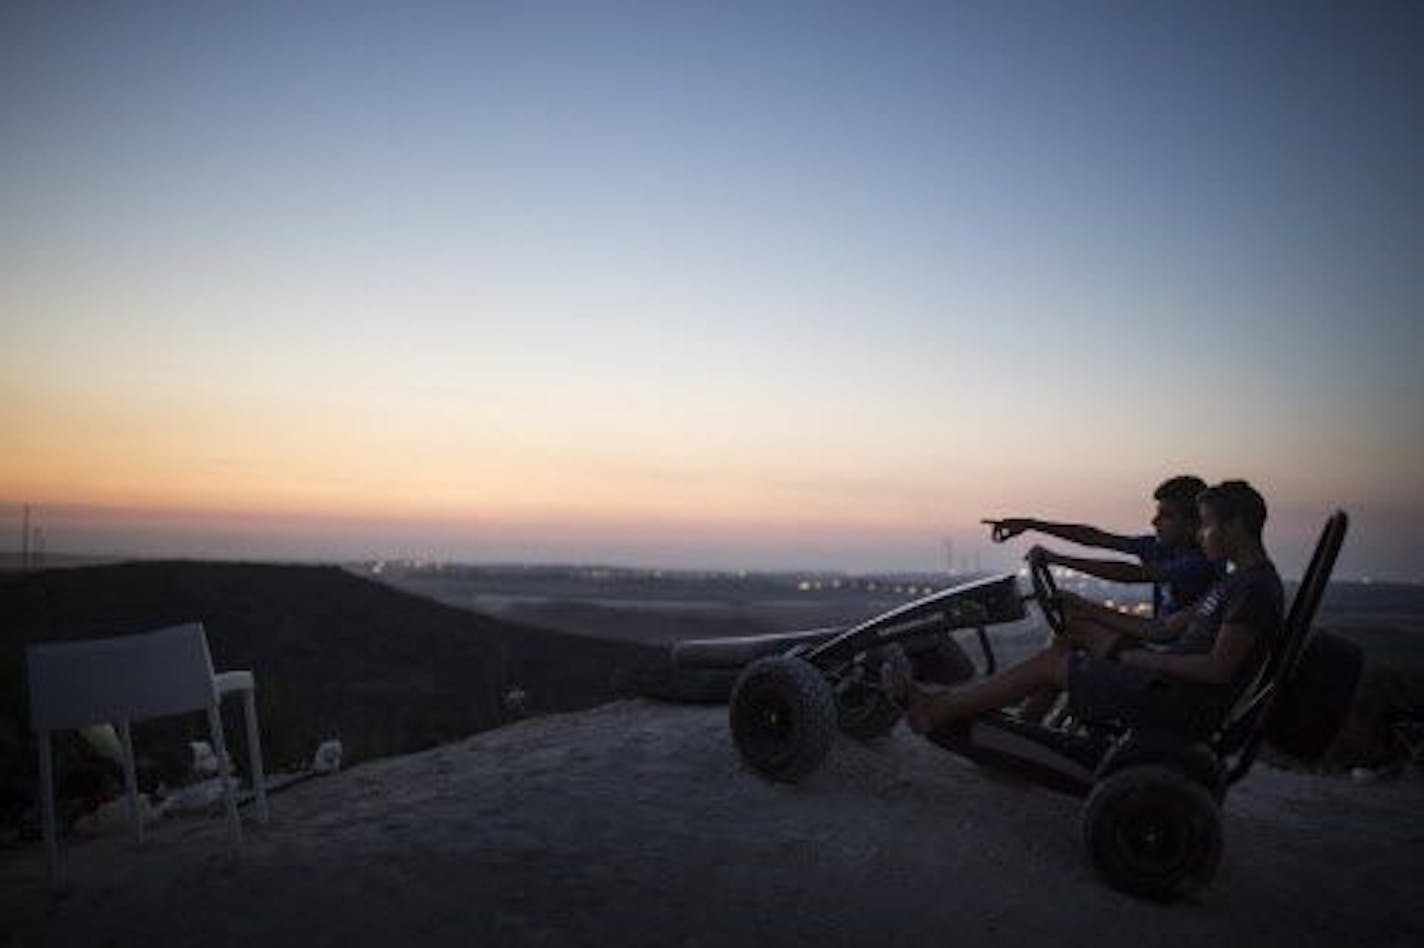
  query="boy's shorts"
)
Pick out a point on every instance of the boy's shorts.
point(1103, 690)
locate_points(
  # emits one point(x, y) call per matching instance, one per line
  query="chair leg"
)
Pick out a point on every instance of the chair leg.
point(254, 754)
point(131, 778)
point(229, 796)
point(51, 833)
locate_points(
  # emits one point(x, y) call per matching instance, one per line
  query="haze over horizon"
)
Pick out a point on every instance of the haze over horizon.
point(741, 286)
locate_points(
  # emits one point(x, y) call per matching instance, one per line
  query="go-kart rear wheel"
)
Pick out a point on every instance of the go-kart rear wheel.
point(864, 710)
point(783, 717)
point(1153, 832)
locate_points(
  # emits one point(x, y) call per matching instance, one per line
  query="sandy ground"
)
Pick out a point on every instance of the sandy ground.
point(634, 824)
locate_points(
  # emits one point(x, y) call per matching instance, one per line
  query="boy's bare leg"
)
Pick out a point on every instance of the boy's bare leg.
point(1083, 633)
point(925, 710)
point(1036, 706)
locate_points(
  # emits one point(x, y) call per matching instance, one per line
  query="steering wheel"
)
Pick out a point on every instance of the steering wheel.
point(1045, 590)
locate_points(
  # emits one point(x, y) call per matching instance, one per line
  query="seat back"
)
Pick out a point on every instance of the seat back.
point(130, 677)
point(1245, 727)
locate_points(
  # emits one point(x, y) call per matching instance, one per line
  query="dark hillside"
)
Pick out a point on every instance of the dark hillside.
point(334, 656)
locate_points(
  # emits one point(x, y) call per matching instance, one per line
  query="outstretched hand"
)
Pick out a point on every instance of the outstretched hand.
point(1008, 528)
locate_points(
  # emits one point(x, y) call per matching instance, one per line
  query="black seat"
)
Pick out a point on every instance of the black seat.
point(1246, 726)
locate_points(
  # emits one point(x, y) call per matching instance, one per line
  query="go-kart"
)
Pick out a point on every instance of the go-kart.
point(1151, 823)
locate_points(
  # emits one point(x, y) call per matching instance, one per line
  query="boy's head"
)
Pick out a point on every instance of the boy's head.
point(1176, 520)
point(1232, 515)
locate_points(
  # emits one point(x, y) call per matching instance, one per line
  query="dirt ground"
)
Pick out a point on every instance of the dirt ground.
point(634, 824)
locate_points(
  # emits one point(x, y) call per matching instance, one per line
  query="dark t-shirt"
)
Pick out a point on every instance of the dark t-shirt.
point(1252, 597)
point(1189, 574)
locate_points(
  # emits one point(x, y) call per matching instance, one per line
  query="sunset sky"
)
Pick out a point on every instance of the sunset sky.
point(728, 285)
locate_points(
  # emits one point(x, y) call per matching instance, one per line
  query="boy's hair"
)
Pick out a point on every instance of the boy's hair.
point(1181, 492)
point(1236, 500)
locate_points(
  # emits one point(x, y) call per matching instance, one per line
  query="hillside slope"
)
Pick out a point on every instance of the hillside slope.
point(634, 824)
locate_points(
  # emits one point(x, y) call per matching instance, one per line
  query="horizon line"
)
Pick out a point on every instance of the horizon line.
point(109, 559)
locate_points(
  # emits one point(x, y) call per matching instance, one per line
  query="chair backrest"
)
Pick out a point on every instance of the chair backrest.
point(130, 677)
point(1244, 729)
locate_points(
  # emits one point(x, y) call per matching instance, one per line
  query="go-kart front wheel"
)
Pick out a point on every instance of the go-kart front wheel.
point(783, 717)
point(1153, 832)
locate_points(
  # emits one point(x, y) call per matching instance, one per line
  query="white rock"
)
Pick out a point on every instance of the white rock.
point(327, 758)
point(205, 762)
point(104, 741)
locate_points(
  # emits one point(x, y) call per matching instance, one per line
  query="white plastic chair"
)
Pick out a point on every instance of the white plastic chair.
point(133, 678)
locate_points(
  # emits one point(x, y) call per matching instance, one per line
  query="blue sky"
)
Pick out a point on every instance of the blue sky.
point(711, 284)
